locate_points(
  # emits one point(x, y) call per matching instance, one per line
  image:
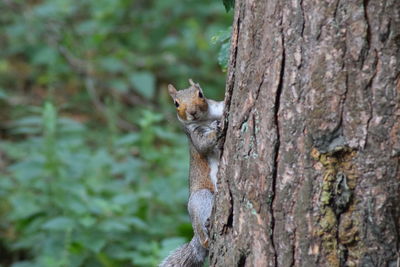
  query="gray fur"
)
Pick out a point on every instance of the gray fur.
point(191, 254)
point(203, 136)
point(200, 206)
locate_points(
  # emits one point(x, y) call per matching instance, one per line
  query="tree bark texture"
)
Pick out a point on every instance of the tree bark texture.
point(310, 168)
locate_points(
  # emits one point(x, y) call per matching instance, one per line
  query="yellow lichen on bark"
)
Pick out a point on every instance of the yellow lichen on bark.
point(337, 226)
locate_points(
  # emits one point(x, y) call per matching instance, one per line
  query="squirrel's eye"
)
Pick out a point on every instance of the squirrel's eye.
point(176, 103)
point(201, 94)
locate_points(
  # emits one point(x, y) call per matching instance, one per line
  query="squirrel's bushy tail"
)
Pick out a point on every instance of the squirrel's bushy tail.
point(191, 254)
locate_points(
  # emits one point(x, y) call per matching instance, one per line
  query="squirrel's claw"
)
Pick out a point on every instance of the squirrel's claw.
point(205, 243)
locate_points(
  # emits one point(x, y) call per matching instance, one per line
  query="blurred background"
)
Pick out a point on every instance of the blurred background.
point(93, 164)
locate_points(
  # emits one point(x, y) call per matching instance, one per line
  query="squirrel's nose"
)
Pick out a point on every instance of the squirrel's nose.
point(193, 113)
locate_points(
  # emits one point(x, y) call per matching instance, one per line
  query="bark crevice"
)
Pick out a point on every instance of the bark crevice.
point(277, 142)
point(366, 16)
point(303, 18)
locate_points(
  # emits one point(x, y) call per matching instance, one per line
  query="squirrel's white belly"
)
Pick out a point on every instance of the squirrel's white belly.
point(213, 164)
point(216, 109)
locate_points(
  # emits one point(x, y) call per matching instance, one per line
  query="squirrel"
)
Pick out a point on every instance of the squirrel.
point(200, 118)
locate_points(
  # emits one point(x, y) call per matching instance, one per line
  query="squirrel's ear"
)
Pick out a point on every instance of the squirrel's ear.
point(195, 85)
point(172, 91)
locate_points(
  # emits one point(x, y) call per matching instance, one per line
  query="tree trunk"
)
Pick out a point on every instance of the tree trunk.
point(310, 168)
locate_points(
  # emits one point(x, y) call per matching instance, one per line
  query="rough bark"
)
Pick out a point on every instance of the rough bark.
point(310, 168)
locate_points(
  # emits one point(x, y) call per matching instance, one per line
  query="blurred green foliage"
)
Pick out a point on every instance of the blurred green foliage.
point(229, 4)
point(69, 204)
point(223, 39)
point(93, 166)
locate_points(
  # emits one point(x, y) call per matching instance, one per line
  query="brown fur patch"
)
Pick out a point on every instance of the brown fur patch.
point(199, 176)
point(201, 104)
point(181, 110)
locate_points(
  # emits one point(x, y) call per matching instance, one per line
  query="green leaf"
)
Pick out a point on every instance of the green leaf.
point(23, 206)
point(128, 139)
point(221, 36)
point(28, 169)
point(119, 84)
point(136, 222)
point(59, 224)
point(112, 64)
point(124, 199)
point(105, 260)
point(67, 125)
point(229, 4)
point(87, 221)
point(45, 55)
point(28, 120)
point(223, 55)
point(144, 83)
point(93, 240)
point(49, 118)
point(224, 39)
point(113, 225)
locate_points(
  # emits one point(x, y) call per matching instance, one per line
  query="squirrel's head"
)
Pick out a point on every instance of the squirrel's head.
point(190, 103)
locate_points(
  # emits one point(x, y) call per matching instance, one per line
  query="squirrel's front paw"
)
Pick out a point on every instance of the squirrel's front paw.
point(205, 244)
point(216, 125)
point(204, 240)
point(204, 234)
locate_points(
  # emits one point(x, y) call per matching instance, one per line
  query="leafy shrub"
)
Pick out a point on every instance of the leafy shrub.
point(70, 204)
point(122, 45)
point(76, 188)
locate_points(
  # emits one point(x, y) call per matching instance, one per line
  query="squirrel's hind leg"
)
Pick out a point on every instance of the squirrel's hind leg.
point(200, 207)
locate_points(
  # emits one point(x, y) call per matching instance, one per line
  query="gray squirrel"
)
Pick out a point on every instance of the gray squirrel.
point(200, 118)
